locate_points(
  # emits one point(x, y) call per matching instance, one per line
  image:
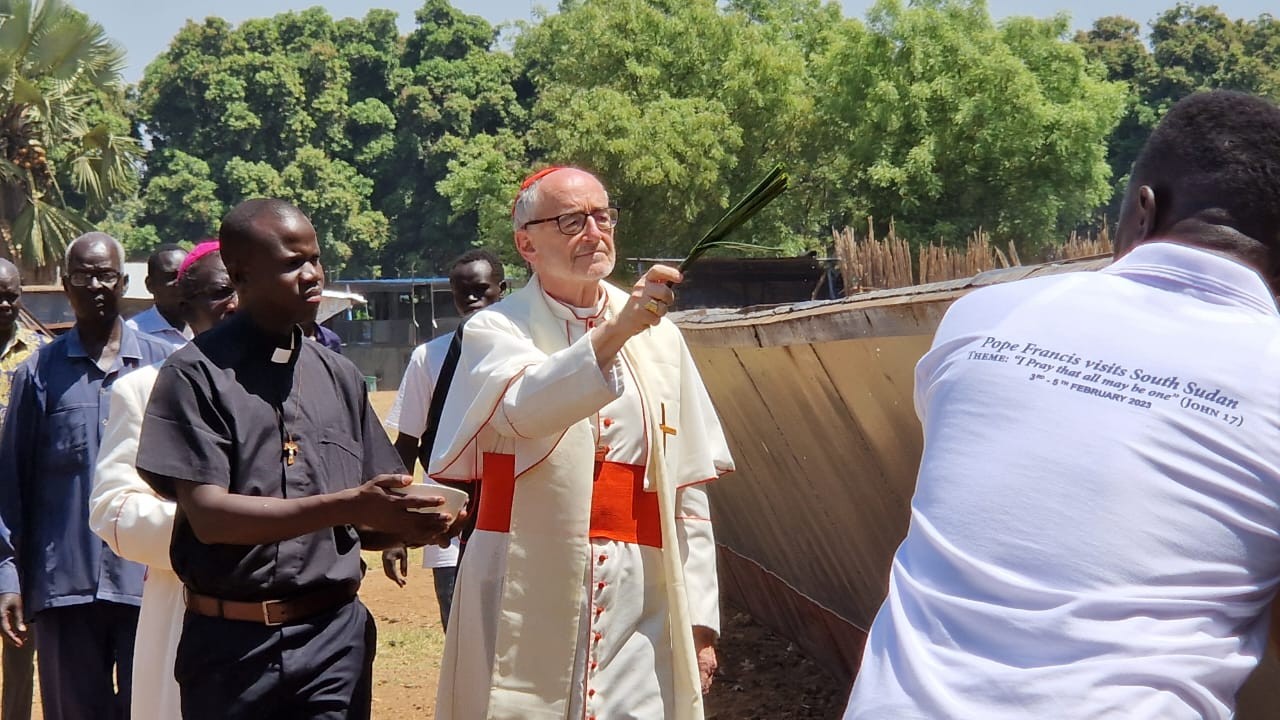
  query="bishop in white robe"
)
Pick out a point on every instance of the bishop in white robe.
point(588, 589)
point(136, 523)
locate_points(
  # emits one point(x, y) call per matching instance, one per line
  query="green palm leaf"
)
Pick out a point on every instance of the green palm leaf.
point(765, 192)
point(107, 163)
point(43, 230)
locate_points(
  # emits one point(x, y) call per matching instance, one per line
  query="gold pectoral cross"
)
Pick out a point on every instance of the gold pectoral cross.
point(290, 451)
point(665, 428)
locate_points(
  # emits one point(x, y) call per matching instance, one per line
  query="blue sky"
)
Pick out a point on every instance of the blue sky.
point(145, 27)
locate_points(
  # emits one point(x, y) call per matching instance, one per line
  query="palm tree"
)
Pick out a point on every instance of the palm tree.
point(55, 64)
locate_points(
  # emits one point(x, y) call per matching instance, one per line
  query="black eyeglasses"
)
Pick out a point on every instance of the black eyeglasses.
point(106, 278)
point(573, 223)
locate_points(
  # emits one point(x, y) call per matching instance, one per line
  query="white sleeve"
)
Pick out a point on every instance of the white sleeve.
point(559, 390)
point(698, 553)
point(409, 411)
point(507, 388)
point(124, 511)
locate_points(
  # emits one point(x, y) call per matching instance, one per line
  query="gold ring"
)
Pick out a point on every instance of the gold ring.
point(652, 306)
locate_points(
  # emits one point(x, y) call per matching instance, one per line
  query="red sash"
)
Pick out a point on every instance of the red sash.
point(620, 508)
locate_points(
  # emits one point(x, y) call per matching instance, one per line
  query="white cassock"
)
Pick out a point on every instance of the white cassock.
point(137, 524)
point(568, 604)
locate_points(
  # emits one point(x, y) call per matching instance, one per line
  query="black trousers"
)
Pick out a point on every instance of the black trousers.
point(85, 660)
point(19, 678)
point(318, 669)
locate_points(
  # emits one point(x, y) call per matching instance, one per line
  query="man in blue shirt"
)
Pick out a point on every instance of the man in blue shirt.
point(16, 345)
point(53, 570)
point(315, 331)
point(164, 319)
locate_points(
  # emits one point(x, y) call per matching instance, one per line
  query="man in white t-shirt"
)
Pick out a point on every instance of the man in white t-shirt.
point(1095, 531)
point(477, 281)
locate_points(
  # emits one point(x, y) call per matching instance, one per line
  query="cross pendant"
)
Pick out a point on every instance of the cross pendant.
point(290, 451)
point(664, 427)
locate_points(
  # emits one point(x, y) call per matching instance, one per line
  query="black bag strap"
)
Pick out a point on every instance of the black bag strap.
point(438, 395)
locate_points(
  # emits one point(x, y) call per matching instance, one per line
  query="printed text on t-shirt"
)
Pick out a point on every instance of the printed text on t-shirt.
point(1110, 380)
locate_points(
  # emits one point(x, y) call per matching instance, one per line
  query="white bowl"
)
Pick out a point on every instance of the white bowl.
point(454, 499)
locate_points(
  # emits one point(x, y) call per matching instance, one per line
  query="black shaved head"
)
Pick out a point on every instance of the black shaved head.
point(1209, 175)
point(478, 255)
point(10, 298)
point(89, 240)
point(248, 225)
point(476, 281)
point(273, 257)
point(162, 259)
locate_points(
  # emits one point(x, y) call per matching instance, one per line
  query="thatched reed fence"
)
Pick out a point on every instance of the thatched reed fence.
point(874, 263)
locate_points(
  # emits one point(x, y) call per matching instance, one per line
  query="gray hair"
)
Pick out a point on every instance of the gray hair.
point(526, 202)
point(93, 238)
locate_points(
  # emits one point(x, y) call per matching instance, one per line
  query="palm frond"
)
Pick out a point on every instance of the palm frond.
point(10, 173)
point(106, 166)
point(42, 231)
point(61, 50)
point(16, 26)
point(106, 64)
point(765, 191)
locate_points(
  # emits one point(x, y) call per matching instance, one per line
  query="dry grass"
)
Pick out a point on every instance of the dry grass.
point(871, 263)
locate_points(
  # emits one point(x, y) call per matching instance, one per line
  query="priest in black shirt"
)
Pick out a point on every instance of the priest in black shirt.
point(282, 472)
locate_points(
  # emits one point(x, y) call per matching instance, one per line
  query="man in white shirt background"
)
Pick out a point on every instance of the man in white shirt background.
point(1095, 531)
point(164, 318)
point(476, 280)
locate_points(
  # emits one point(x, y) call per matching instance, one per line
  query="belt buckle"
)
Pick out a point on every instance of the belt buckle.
point(266, 613)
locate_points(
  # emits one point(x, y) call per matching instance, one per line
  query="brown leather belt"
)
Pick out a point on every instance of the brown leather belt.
point(272, 612)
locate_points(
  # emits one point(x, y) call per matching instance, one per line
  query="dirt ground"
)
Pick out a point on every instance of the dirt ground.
point(762, 677)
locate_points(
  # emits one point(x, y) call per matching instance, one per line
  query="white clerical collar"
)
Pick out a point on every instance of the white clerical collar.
point(565, 311)
point(280, 355)
point(1210, 276)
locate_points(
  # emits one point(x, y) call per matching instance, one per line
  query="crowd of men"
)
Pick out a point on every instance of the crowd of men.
point(1068, 555)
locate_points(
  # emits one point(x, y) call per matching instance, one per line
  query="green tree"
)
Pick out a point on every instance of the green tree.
point(1192, 48)
point(459, 141)
point(183, 203)
point(1200, 47)
point(678, 106)
point(1116, 44)
point(61, 104)
point(938, 118)
point(293, 106)
point(354, 123)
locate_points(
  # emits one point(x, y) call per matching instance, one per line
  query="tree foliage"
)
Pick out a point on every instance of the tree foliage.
point(65, 154)
point(346, 118)
point(461, 122)
point(947, 123)
point(679, 106)
point(1191, 48)
point(293, 106)
point(406, 150)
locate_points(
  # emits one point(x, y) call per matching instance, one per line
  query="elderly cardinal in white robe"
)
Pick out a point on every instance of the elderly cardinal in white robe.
point(588, 589)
